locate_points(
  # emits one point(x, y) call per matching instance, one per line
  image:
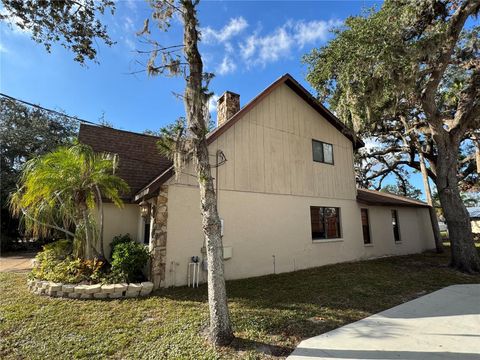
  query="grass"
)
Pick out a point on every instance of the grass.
point(270, 314)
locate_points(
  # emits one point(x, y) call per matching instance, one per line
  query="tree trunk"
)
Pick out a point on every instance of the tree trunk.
point(464, 255)
point(433, 215)
point(88, 238)
point(195, 104)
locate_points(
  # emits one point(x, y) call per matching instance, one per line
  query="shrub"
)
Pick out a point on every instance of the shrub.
point(69, 270)
point(128, 260)
point(60, 249)
point(120, 239)
point(55, 263)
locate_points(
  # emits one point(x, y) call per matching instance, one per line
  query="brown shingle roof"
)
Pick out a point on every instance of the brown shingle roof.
point(370, 197)
point(139, 158)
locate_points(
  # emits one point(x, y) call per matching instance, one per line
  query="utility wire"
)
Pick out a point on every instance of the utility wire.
point(73, 118)
point(11, 98)
point(49, 110)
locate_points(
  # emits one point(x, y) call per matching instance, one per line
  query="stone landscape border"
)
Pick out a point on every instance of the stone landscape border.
point(86, 292)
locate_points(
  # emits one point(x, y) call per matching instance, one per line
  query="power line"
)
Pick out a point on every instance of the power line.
point(49, 110)
point(11, 98)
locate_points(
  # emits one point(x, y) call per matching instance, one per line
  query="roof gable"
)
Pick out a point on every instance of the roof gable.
point(139, 158)
point(293, 84)
point(289, 81)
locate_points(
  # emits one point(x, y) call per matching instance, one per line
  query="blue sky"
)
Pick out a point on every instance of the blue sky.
point(247, 44)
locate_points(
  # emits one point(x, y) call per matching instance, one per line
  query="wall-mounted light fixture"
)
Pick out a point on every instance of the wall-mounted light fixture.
point(144, 209)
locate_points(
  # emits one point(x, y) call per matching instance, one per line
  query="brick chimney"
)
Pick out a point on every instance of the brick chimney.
point(228, 105)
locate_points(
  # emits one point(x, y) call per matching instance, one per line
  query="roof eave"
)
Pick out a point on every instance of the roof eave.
point(150, 190)
point(405, 204)
point(388, 199)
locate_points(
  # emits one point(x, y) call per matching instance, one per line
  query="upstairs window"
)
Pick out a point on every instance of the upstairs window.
point(395, 226)
point(365, 227)
point(325, 222)
point(322, 152)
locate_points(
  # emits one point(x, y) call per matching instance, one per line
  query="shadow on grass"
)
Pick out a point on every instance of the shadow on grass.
point(281, 305)
point(240, 344)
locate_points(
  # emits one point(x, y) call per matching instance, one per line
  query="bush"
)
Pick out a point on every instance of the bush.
point(60, 249)
point(128, 260)
point(55, 263)
point(120, 239)
point(69, 271)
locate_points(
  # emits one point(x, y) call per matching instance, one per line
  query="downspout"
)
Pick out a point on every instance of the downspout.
point(100, 206)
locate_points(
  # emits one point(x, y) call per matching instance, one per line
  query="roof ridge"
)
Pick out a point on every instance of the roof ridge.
point(120, 130)
point(300, 90)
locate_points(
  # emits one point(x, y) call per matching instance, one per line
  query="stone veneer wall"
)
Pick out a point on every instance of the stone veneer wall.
point(158, 243)
point(96, 291)
point(227, 105)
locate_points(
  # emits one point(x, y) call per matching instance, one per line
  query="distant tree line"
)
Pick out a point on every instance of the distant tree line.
point(25, 132)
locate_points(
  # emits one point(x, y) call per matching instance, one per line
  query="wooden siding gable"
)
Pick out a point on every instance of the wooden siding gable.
point(270, 151)
point(266, 148)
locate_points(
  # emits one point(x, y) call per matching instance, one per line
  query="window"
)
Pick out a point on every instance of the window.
point(395, 226)
point(365, 227)
point(325, 222)
point(322, 152)
point(146, 233)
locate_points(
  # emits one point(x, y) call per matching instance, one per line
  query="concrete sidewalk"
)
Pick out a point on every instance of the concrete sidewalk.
point(442, 325)
point(19, 262)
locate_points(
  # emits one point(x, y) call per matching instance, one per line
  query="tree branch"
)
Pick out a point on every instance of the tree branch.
point(468, 110)
point(429, 93)
point(47, 225)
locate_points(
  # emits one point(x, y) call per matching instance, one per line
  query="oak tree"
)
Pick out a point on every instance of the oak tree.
point(413, 67)
point(73, 24)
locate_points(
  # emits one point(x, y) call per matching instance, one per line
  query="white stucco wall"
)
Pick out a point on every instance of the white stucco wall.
point(258, 226)
point(475, 226)
point(120, 221)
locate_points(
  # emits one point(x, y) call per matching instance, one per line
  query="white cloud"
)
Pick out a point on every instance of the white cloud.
point(128, 24)
point(234, 27)
point(227, 66)
point(313, 31)
point(14, 22)
point(212, 103)
point(248, 47)
point(229, 48)
point(131, 4)
point(292, 35)
point(130, 44)
point(272, 47)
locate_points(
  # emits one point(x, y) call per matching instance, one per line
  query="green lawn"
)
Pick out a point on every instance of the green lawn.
point(270, 314)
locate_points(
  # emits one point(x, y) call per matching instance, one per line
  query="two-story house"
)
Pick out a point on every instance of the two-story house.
point(283, 169)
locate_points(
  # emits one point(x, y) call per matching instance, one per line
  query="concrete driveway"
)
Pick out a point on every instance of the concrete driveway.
point(442, 325)
point(19, 262)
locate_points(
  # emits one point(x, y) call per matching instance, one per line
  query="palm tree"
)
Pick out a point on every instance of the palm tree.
point(60, 190)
